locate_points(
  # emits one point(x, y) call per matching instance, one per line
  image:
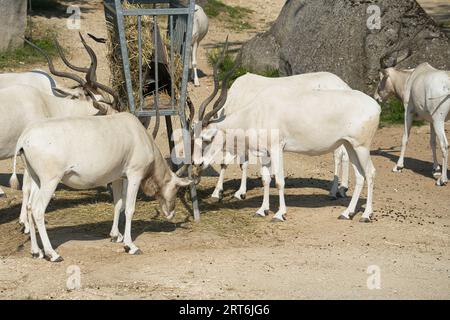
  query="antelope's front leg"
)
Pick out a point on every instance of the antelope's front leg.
point(130, 203)
point(266, 178)
point(119, 205)
point(278, 170)
point(407, 130)
point(218, 191)
point(241, 194)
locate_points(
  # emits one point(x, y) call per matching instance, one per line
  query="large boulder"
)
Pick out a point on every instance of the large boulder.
point(342, 36)
point(13, 17)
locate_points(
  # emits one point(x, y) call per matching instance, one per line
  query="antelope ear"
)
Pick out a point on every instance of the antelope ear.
point(183, 182)
point(384, 72)
point(209, 134)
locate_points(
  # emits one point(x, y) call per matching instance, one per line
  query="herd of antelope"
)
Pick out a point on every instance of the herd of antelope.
point(76, 136)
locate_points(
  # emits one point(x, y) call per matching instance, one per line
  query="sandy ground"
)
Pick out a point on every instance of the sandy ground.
point(231, 254)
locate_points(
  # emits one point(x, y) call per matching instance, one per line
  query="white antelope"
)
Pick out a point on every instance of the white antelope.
point(88, 152)
point(242, 94)
point(311, 122)
point(425, 93)
point(23, 105)
point(200, 29)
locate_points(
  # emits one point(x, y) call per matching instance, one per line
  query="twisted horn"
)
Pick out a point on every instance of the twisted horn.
point(91, 75)
point(224, 91)
point(216, 82)
point(51, 67)
point(64, 59)
point(156, 128)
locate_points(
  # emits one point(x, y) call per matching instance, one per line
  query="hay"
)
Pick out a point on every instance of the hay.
point(115, 59)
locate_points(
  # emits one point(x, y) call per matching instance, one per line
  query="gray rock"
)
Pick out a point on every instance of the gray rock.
point(333, 35)
point(13, 17)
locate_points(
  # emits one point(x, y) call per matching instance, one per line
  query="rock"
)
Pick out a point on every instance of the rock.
point(333, 35)
point(13, 15)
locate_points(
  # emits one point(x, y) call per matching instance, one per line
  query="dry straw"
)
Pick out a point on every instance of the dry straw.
point(115, 59)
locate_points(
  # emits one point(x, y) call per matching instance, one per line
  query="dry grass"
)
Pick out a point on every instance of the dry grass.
point(131, 27)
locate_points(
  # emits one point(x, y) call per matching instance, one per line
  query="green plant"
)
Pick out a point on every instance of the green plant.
point(235, 16)
point(228, 63)
point(26, 54)
point(392, 112)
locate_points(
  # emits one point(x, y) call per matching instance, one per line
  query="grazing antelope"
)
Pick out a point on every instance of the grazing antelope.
point(88, 152)
point(23, 105)
point(310, 122)
point(425, 93)
point(200, 29)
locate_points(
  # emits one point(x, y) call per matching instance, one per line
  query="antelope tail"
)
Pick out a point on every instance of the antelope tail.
point(14, 181)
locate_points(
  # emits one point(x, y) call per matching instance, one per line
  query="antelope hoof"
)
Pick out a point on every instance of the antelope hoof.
point(261, 214)
point(37, 255)
point(57, 259)
point(218, 195)
point(342, 192)
point(26, 230)
point(276, 219)
point(343, 217)
point(397, 169)
point(365, 220)
point(333, 197)
point(441, 183)
point(240, 196)
point(437, 172)
point(135, 251)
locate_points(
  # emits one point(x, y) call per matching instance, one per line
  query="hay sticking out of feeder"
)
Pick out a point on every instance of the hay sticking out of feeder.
point(147, 37)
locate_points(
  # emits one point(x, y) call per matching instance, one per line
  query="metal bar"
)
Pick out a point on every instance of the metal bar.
point(141, 93)
point(186, 131)
point(155, 12)
point(172, 63)
point(124, 51)
point(151, 113)
point(155, 57)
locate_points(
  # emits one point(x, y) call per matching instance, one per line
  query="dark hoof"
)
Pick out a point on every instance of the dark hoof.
point(342, 217)
point(439, 183)
point(266, 212)
point(36, 255)
point(59, 259)
point(243, 196)
point(398, 169)
point(365, 220)
point(220, 195)
point(258, 216)
point(334, 198)
point(127, 249)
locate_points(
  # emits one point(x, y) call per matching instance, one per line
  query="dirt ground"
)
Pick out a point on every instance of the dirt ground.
point(230, 254)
